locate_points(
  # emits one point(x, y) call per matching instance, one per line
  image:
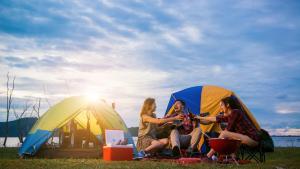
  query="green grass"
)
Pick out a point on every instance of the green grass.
point(281, 158)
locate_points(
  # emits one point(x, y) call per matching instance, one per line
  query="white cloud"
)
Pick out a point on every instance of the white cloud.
point(172, 39)
point(250, 5)
point(136, 12)
point(192, 33)
point(39, 20)
point(112, 66)
point(127, 69)
point(288, 107)
point(276, 20)
point(182, 36)
point(217, 69)
point(284, 131)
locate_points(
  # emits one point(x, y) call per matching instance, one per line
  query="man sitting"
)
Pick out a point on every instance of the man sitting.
point(185, 135)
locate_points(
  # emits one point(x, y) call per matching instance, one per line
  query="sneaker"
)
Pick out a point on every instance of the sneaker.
point(209, 159)
point(214, 158)
point(176, 151)
point(140, 155)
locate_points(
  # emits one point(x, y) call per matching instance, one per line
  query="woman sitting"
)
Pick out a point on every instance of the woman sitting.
point(239, 126)
point(147, 141)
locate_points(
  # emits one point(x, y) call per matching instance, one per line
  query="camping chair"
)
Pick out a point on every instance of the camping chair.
point(253, 153)
point(257, 153)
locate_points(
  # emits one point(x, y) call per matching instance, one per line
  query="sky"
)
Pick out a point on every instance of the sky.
point(126, 51)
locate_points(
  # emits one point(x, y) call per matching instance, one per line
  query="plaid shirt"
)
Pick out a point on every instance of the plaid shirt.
point(238, 122)
point(186, 125)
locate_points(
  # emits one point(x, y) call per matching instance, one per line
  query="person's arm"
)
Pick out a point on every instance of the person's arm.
point(205, 122)
point(206, 119)
point(149, 119)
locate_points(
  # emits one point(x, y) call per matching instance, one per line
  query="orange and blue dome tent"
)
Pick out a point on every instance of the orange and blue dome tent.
point(206, 99)
point(101, 116)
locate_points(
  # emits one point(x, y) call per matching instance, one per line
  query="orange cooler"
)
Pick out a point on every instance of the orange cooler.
point(118, 153)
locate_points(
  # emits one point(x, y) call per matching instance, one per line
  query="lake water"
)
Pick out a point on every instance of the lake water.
point(279, 141)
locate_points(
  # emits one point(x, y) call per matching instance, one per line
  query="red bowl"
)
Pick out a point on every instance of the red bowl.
point(224, 146)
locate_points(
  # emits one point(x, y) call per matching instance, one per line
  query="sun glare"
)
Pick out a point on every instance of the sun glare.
point(92, 97)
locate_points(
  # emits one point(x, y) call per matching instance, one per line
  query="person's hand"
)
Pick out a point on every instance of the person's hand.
point(198, 117)
point(179, 117)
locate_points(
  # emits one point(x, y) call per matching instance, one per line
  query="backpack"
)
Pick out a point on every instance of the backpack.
point(266, 140)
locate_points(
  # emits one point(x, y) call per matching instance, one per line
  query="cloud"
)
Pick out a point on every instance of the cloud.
point(251, 5)
point(276, 21)
point(130, 50)
point(284, 131)
point(288, 107)
point(217, 69)
point(46, 61)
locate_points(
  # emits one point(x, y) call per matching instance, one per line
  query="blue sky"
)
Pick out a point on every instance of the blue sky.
point(129, 50)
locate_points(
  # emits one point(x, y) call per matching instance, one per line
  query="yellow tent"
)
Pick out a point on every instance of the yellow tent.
point(101, 116)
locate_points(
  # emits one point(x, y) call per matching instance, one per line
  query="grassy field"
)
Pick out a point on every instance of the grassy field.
point(281, 158)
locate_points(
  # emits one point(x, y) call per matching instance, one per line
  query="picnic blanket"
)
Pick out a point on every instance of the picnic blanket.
point(192, 160)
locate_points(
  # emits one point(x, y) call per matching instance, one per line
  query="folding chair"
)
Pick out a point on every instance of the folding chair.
point(256, 153)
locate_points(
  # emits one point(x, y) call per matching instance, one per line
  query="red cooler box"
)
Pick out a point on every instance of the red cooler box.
point(118, 153)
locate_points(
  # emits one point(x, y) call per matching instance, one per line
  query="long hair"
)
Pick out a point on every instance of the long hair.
point(233, 103)
point(147, 106)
